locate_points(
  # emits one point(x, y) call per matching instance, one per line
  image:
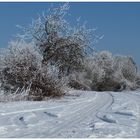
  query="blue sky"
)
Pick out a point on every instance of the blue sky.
point(118, 22)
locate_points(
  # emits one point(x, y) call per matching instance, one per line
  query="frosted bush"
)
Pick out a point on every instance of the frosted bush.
point(78, 80)
point(22, 68)
point(108, 72)
point(127, 66)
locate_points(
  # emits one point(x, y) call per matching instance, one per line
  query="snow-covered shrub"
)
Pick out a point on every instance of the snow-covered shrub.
point(108, 72)
point(78, 80)
point(45, 84)
point(22, 68)
point(100, 69)
point(20, 62)
point(60, 43)
point(127, 66)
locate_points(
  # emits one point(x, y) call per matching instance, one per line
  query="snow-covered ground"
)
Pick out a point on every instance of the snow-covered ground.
point(79, 115)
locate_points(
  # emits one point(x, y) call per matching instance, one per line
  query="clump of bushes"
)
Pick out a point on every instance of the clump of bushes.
point(113, 73)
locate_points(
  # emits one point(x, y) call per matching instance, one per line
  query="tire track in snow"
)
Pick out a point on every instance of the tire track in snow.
point(105, 109)
point(79, 115)
point(69, 122)
point(66, 119)
point(41, 109)
point(109, 116)
point(14, 116)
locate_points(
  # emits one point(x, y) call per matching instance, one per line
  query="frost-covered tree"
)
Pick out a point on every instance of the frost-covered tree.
point(60, 43)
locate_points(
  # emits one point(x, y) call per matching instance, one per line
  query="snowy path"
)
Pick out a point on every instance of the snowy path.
point(89, 114)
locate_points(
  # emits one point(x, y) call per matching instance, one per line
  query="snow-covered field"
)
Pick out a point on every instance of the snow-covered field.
point(79, 115)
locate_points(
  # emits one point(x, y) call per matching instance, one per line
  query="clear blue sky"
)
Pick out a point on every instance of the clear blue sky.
point(118, 22)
